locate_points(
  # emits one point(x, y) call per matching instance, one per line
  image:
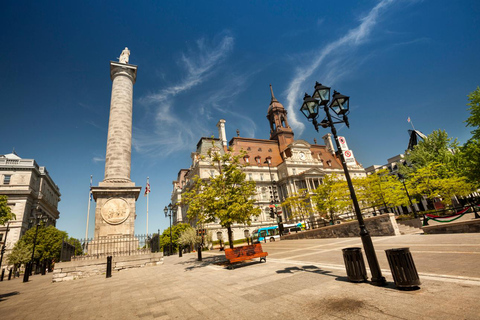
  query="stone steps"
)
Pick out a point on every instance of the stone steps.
point(409, 230)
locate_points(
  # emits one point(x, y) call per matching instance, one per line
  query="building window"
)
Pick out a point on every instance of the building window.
point(261, 176)
point(6, 179)
point(259, 149)
point(246, 159)
point(250, 176)
point(294, 171)
point(258, 159)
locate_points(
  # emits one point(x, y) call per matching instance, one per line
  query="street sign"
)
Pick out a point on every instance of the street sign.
point(349, 158)
point(343, 143)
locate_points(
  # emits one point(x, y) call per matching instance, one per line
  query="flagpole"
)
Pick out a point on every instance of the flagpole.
point(148, 186)
point(88, 210)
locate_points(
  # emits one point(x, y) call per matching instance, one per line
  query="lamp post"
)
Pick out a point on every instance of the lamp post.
point(339, 104)
point(37, 219)
point(168, 213)
point(402, 179)
point(274, 197)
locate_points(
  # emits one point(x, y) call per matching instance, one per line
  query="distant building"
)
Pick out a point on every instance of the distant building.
point(293, 164)
point(30, 190)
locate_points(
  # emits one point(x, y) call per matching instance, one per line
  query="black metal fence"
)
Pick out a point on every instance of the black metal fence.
point(122, 245)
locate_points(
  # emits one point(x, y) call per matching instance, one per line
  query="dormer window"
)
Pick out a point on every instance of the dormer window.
point(258, 159)
point(246, 159)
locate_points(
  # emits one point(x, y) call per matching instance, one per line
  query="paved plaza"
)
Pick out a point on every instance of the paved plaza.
point(302, 279)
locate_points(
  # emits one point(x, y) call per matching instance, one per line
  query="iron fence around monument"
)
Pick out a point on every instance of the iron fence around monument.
point(95, 248)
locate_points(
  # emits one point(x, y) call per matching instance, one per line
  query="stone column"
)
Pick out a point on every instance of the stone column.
point(119, 141)
point(116, 194)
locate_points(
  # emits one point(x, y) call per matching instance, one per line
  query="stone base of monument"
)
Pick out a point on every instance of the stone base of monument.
point(71, 270)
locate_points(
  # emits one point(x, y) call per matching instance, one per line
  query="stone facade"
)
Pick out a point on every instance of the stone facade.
point(30, 190)
point(472, 226)
point(293, 164)
point(116, 194)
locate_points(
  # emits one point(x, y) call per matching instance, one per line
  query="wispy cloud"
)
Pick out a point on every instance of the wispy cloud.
point(353, 38)
point(98, 159)
point(169, 132)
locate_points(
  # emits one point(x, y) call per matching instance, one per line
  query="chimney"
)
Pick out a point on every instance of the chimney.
point(221, 132)
point(328, 142)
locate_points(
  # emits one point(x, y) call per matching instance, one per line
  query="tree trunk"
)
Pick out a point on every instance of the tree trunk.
point(230, 236)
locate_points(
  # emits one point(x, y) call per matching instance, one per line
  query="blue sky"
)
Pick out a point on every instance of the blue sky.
point(200, 61)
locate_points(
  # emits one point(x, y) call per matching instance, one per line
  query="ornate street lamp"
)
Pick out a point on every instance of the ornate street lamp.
point(168, 213)
point(340, 106)
point(274, 197)
point(37, 220)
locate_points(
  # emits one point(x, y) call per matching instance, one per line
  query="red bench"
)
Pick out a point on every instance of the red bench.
point(243, 253)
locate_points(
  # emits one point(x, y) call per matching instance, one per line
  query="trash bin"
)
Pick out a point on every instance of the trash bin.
point(403, 268)
point(354, 264)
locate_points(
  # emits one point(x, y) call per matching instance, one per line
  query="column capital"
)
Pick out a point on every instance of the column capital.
point(129, 70)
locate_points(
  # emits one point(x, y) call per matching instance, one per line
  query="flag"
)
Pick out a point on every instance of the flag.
point(147, 189)
point(408, 120)
point(91, 194)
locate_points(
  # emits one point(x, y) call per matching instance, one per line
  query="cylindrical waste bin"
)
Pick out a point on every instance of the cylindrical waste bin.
point(403, 268)
point(354, 264)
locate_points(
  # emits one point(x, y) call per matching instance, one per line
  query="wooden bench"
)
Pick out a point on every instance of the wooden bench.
point(243, 253)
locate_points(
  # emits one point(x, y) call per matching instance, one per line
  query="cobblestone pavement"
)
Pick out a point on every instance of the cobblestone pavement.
point(302, 279)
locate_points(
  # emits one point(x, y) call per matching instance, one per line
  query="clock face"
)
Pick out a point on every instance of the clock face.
point(302, 156)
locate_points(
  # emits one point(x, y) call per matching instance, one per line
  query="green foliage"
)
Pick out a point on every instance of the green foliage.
point(188, 237)
point(48, 245)
point(474, 108)
point(470, 161)
point(434, 181)
point(438, 147)
point(228, 197)
point(299, 204)
point(177, 230)
point(6, 213)
point(332, 197)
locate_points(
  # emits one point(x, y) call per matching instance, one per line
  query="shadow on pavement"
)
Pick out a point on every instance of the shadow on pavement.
point(206, 261)
point(6, 295)
point(313, 269)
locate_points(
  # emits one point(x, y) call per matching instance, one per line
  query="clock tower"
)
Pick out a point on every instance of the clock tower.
point(279, 128)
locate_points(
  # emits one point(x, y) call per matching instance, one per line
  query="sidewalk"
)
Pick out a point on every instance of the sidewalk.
point(301, 280)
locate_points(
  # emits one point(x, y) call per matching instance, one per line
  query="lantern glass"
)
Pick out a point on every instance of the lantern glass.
point(340, 104)
point(309, 107)
point(322, 93)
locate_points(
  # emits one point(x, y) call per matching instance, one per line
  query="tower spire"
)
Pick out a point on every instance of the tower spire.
point(273, 97)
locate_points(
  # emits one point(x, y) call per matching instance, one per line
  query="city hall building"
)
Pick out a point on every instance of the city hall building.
point(293, 164)
point(31, 193)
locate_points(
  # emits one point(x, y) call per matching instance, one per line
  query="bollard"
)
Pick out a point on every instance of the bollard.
point(10, 274)
point(199, 250)
point(403, 268)
point(425, 221)
point(3, 274)
point(27, 272)
point(354, 264)
point(180, 251)
point(109, 266)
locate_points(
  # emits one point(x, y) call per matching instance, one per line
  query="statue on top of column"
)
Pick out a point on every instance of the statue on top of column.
point(124, 56)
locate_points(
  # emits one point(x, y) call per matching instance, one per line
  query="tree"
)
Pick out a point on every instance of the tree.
point(438, 147)
point(332, 196)
point(188, 237)
point(470, 151)
point(48, 245)
point(433, 182)
point(474, 119)
point(470, 161)
point(176, 232)
point(228, 197)
point(299, 204)
point(6, 213)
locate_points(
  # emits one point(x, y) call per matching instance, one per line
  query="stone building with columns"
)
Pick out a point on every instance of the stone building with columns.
point(292, 164)
point(30, 191)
